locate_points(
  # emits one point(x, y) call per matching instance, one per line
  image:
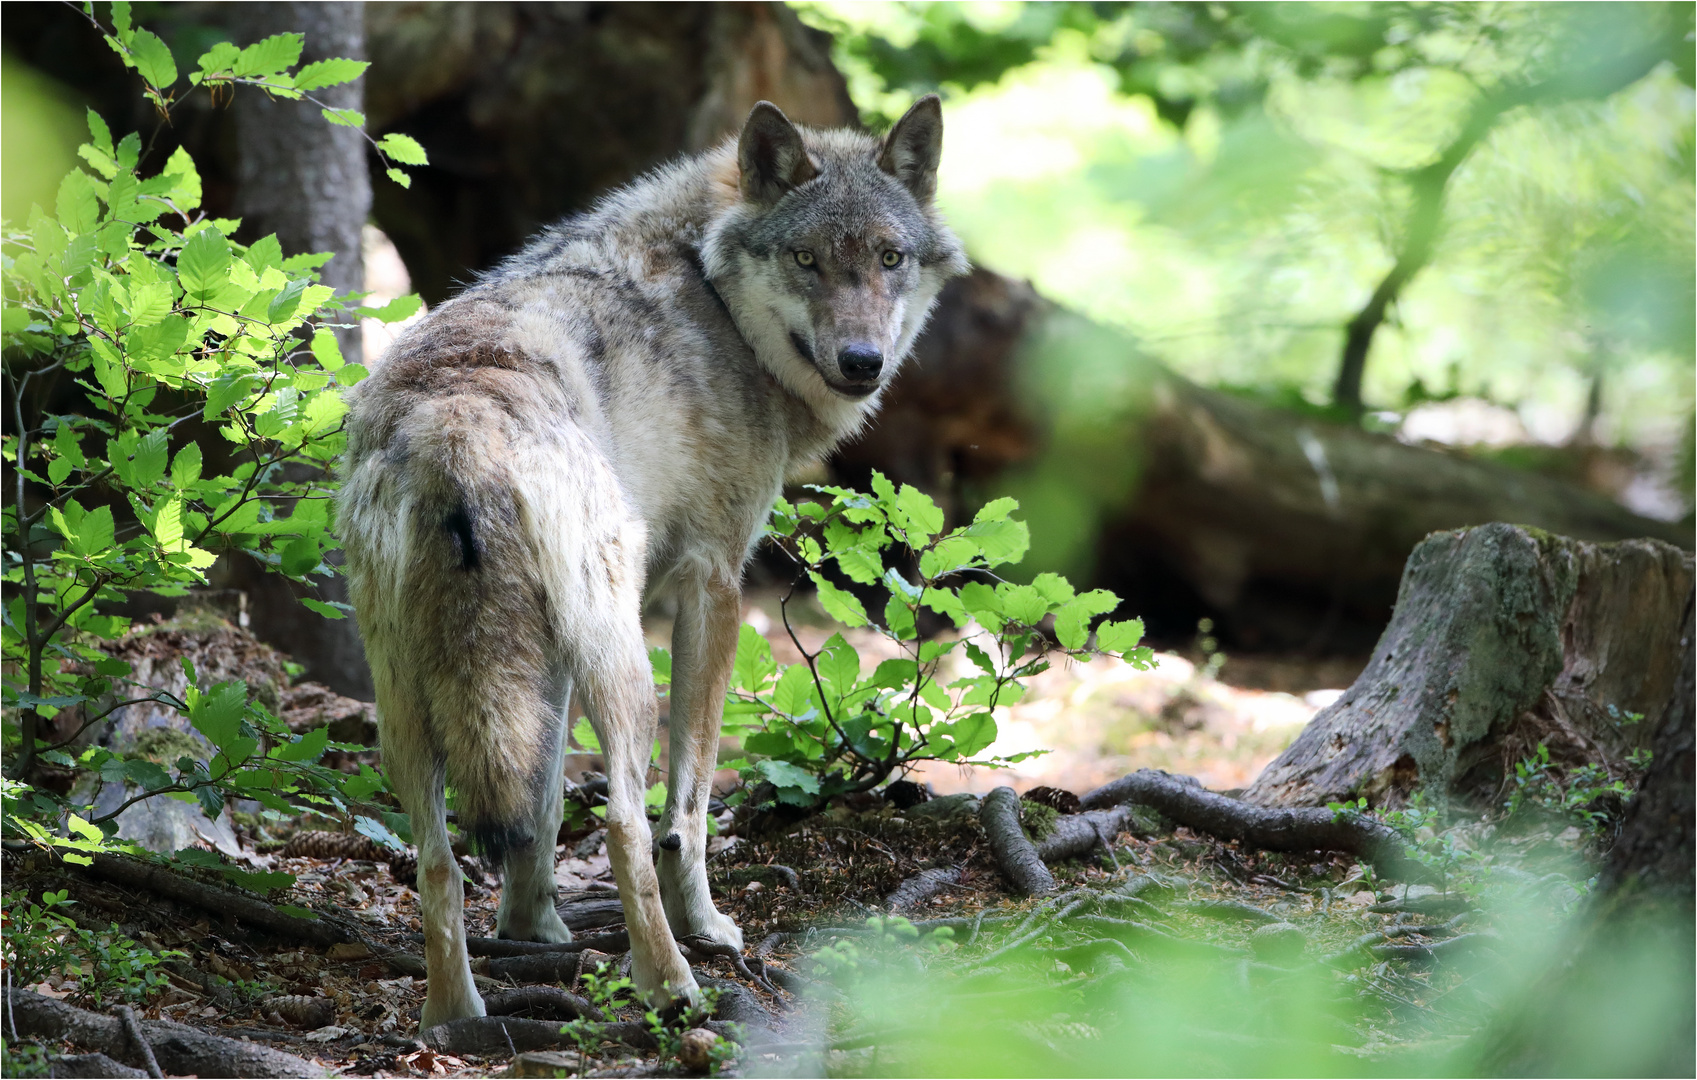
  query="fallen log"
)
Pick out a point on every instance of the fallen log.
point(1186, 802)
point(180, 1050)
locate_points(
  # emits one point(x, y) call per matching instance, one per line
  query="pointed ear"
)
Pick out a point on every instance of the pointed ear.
point(771, 156)
point(914, 146)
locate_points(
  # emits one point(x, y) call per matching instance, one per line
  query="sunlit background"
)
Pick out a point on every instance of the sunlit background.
point(1232, 199)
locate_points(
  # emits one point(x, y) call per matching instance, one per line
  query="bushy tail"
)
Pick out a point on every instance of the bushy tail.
point(457, 622)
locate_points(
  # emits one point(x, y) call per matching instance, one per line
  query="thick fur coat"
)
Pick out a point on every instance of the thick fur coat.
point(613, 411)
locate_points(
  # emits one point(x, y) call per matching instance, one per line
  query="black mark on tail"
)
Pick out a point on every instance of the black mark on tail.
point(466, 542)
point(671, 842)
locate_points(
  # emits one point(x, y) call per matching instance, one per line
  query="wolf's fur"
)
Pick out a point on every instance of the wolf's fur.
point(615, 408)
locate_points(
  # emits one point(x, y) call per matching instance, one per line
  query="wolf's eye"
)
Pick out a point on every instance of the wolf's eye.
point(804, 258)
point(892, 258)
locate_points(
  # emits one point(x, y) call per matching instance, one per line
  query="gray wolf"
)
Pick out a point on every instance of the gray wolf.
point(613, 411)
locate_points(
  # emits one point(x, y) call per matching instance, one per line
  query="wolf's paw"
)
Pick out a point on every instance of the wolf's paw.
point(669, 982)
point(714, 926)
point(544, 925)
point(457, 1004)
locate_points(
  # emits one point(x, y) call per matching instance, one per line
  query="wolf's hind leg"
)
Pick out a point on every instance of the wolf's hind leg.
point(704, 645)
point(528, 893)
point(618, 693)
point(417, 777)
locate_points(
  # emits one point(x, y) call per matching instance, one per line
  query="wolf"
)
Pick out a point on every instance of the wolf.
point(610, 414)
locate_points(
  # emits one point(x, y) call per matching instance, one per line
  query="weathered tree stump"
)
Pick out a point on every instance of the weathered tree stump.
point(1504, 637)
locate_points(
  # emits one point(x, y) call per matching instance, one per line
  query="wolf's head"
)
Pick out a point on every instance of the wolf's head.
point(832, 256)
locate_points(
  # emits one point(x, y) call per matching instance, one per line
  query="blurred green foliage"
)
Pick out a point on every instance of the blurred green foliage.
point(1229, 183)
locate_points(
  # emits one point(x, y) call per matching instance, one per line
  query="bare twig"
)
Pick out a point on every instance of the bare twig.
point(133, 1030)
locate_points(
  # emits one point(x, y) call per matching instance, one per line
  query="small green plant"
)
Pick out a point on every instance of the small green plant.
point(820, 728)
point(41, 940)
point(1539, 788)
point(128, 292)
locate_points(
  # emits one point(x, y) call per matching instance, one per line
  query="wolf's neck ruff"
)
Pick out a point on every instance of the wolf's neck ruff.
point(611, 410)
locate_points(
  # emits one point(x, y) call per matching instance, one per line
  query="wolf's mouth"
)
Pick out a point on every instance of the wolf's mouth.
point(852, 390)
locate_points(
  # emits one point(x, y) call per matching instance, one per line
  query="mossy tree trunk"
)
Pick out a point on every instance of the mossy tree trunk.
point(1503, 638)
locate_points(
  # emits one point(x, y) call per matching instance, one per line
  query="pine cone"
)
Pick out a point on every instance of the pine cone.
point(312, 844)
point(1064, 801)
point(404, 869)
point(903, 794)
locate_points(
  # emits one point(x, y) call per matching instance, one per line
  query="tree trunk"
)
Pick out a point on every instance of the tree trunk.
point(1503, 638)
point(308, 181)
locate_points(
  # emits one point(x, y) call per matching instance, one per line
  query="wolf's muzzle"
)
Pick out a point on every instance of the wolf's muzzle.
point(860, 362)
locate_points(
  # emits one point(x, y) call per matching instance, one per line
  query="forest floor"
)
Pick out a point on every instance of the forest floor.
point(1190, 954)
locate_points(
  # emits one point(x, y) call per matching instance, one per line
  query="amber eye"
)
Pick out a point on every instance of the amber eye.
point(804, 258)
point(892, 258)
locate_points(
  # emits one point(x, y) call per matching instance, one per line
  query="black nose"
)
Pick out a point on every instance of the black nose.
point(860, 362)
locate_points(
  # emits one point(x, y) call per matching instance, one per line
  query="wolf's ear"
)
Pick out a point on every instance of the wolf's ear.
point(914, 146)
point(771, 156)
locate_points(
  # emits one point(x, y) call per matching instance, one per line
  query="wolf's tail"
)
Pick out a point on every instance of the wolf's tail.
point(469, 554)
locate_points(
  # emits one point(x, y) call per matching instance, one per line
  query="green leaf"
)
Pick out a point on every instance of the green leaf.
point(204, 264)
point(1055, 588)
point(146, 774)
point(100, 133)
point(842, 606)
point(264, 254)
point(108, 371)
point(345, 117)
point(1022, 603)
point(973, 733)
point(753, 664)
point(399, 176)
point(149, 303)
point(898, 619)
point(404, 149)
point(950, 553)
point(1119, 637)
point(219, 58)
point(96, 532)
point(153, 59)
point(301, 557)
point(860, 564)
point(321, 73)
point(185, 188)
point(268, 56)
point(148, 465)
point(924, 517)
point(326, 351)
point(259, 880)
point(217, 714)
point(78, 206)
point(839, 665)
point(1072, 621)
point(121, 20)
point(112, 667)
point(996, 510)
point(583, 733)
point(307, 748)
point(329, 611)
point(401, 307)
point(1001, 541)
point(287, 302)
point(185, 468)
point(785, 775)
point(298, 911)
point(897, 673)
point(661, 662)
point(225, 391)
point(167, 523)
point(793, 693)
point(982, 601)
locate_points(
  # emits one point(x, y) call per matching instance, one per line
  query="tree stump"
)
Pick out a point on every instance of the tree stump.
point(1504, 637)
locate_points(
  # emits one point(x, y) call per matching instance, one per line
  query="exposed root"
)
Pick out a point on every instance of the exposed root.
point(1014, 851)
point(177, 1049)
point(921, 887)
point(1274, 829)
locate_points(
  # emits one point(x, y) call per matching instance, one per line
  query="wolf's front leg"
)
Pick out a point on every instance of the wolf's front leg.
point(704, 645)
